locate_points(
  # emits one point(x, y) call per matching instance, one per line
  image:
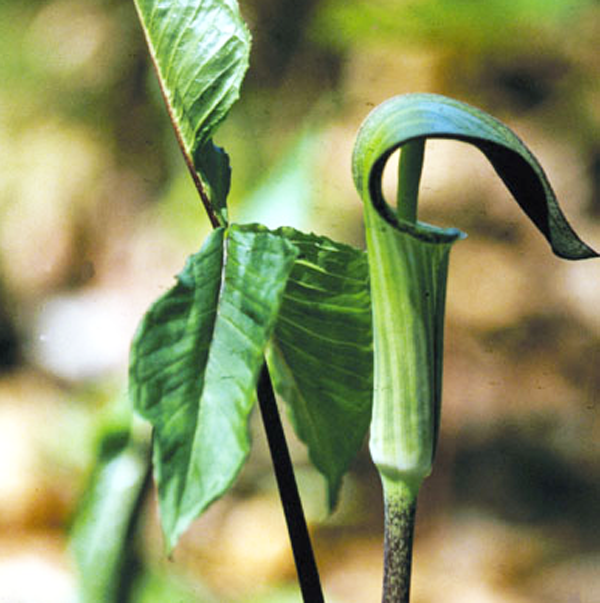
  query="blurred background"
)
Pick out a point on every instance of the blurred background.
point(97, 215)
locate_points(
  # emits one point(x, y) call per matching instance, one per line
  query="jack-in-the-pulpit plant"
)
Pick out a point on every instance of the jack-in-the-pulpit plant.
point(408, 265)
point(352, 339)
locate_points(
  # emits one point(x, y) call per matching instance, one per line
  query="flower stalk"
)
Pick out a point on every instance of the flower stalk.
point(400, 508)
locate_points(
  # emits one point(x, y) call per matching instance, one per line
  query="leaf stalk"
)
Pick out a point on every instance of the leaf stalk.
point(306, 567)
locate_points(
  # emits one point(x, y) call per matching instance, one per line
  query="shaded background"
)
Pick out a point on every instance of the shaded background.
point(97, 215)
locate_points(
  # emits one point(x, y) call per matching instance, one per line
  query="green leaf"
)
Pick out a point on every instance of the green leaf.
point(195, 364)
point(102, 537)
point(200, 50)
point(322, 357)
point(414, 116)
point(212, 163)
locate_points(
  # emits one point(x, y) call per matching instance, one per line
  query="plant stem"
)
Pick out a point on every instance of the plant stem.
point(306, 567)
point(410, 167)
point(400, 509)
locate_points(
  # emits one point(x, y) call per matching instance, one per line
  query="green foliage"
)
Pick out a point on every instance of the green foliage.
point(195, 363)
point(102, 536)
point(179, 356)
point(321, 356)
point(200, 51)
point(341, 329)
point(198, 353)
point(303, 300)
